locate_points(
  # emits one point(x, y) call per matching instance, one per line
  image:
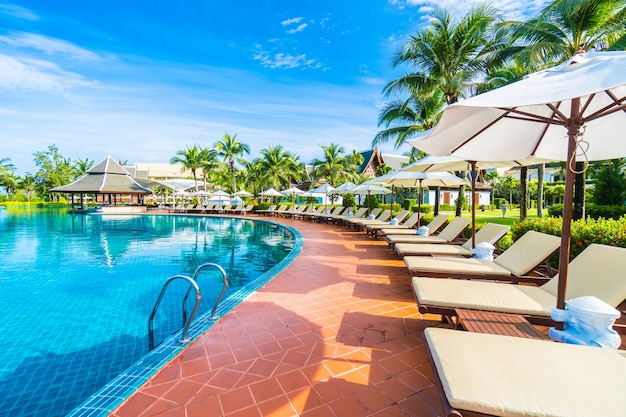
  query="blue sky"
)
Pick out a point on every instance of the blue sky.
point(140, 80)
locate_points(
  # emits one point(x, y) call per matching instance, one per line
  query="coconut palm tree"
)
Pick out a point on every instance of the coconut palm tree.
point(27, 184)
point(6, 166)
point(450, 57)
point(278, 168)
point(190, 158)
point(231, 150)
point(403, 120)
point(208, 163)
point(334, 166)
point(82, 166)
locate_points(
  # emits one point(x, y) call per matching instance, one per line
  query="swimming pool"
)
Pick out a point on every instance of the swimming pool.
point(76, 292)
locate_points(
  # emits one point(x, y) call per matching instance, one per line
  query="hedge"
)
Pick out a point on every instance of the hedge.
point(609, 232)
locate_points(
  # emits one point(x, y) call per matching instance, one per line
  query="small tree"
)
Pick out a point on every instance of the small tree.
point(610, 187)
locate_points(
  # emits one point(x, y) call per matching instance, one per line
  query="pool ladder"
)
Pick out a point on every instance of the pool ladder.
point(193, 284)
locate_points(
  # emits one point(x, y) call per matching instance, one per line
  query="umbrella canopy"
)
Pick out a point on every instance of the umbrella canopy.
point(413, 179)
point(323, 189)
point(344, 188)
point(219, 193)
point(579, 104)
point(293, 192)
point(201, 193)
point(369, 189)
point(270, 192)
point(452, 163)
point(242, 193)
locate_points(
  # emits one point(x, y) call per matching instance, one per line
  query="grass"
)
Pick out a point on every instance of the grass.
point(495, 216)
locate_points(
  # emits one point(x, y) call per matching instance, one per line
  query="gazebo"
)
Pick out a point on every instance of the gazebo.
point(108, 180)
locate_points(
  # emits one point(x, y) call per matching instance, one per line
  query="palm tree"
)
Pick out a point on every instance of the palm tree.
point(335, 166)
point(231, 150)
point(6, 166)
point(190, 158)
point(278, 168)
point(10, 183)
point(27, 184)
point(208, 163)
point(408, 118)
point(492, 177)
point(560, 30)
point(450, 57)
point(82, 166)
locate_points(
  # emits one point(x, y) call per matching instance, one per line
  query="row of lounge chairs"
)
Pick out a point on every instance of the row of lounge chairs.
point(495, 375)
point(216, 209)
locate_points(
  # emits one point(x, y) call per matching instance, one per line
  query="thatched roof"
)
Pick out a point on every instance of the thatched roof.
point(106, 177)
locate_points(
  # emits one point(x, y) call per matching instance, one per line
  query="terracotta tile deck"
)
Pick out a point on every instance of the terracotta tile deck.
point(336, 334)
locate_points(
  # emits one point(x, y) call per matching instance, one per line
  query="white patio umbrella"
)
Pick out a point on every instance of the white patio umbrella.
point(369, 189)
point(271, 192)
point(242, 193)
point(414, 179)
point(293, 192)
point(323, 189)
point(344, 188)
point(578, 105)
point(433, 163)
point(220, 196)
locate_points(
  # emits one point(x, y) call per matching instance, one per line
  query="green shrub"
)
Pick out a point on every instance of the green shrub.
point(262, 206)
point(371, 201)
point(583, 232)
point(349, 200)
point(426, 208)
point(408, 203)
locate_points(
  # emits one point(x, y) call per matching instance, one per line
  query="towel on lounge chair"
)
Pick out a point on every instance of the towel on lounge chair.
point(508, 376)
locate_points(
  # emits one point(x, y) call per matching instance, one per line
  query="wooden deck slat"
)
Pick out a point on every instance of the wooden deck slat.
point(497, 323)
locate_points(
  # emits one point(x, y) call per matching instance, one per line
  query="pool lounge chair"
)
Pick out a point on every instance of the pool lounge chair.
point(433, 227)
point(323, 216)
point(526, 254)
point(408, 224)
point(268, 212)
point(489, 233)
point(374, 213)
point(494, 375)
point(597, 271)
point(371, 227)
point(448, 235)
point(359, 214)
point(359, 224)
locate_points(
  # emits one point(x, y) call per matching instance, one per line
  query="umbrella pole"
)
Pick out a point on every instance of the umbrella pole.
point(473, 169)
point(573, 129)
point(419, 205)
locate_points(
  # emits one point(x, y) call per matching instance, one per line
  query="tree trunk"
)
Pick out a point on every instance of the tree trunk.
point(461, 197)
point(578, 211)
point(523, 193)
point(437, 192)
point(540, 174)
point(232, 172)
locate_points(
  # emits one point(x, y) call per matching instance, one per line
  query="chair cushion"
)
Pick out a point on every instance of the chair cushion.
point(509, 376)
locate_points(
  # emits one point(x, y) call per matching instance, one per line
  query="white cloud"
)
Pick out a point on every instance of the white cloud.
point(49, 46)
point(282, 60)
point(291, 21)
point(19, 73)
point(17, 11)
point(512, 9)
point(300, 28)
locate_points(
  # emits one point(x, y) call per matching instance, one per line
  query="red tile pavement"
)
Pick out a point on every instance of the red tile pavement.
point(336, 334)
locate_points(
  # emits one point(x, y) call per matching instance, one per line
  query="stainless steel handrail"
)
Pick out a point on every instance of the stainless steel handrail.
point(192, 284)
point(217, 302)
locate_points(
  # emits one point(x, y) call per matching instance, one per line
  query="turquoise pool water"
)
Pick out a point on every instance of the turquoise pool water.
point(76, 292)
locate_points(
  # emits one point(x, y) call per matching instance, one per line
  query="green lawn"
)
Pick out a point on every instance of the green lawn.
point(495, 216)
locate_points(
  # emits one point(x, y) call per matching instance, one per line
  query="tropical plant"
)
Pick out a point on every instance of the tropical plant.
point(82, 166)
point(610, 184)
point(10, 183)
point(403, 120)
point(6, 166)
point(27, 184)
point(190, 158)
point(232, 150)
point(450, 57)
point(334, 167)
point(54, 171)
point(278, 168)
point(208, 163)
point(383, 169)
